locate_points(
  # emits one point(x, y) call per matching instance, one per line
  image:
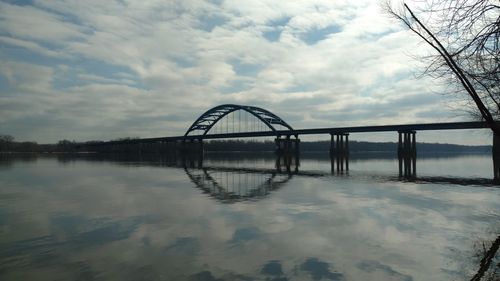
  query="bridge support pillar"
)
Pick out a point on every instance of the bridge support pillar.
point(287, 146)
point(192, 147)
point(496, 157)
point(339, 151)
point(191, 152)
point(164, 147)
point(407, 153)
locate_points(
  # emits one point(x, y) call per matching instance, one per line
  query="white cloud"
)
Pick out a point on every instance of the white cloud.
point(32, 23)
point(191, 55)
point(32, 46)
point(27, 76)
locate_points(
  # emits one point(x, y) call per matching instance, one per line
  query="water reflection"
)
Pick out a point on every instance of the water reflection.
point(451, 180)
point(7, 160)
point(274, 270)
point(435, 169)
point(231, 184)
point(122, 217)
point(236, 184)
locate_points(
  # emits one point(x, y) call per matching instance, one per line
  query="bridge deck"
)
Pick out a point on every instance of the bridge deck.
point(318, 131)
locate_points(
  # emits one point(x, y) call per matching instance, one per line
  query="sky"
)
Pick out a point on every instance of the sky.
point(100, 70)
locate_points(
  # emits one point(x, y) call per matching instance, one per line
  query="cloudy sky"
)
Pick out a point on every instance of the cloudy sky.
point(97, 69)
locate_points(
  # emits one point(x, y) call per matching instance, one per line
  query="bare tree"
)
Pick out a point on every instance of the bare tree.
point(6, 142)
point(6, 138)
point(465, 35)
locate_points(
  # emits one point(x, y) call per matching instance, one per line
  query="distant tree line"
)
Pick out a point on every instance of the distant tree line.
point(8, 144)
point(354, 146)
point(364, 146)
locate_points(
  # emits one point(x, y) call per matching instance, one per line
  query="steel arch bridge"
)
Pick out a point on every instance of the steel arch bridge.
point(208, 119)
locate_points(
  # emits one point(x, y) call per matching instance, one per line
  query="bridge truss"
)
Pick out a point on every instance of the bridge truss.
point(211, 117)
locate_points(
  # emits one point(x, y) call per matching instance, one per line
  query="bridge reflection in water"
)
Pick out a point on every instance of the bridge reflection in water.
point(233, 184)
point(228, 182)
point(237, 177)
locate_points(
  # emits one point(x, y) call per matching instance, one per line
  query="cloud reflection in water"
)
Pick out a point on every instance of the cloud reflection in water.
point(130, 220)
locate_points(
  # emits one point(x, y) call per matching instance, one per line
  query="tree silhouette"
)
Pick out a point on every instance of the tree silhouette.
point(465, 35)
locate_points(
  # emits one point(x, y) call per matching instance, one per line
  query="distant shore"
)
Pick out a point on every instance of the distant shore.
point(240, 146)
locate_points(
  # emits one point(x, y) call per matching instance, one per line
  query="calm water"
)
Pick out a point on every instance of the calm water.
point(238, 218)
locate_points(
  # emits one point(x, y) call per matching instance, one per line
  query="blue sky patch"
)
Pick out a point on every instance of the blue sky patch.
point(70, 77)
point(317, 34)
point(216, 2)
point(274, 33)
point(209, 22)
point(245, 69)
point(20, 2)
point(184, 62)
point(280, 21)
point(5, 86)
point(300, 88)
point(20, 54)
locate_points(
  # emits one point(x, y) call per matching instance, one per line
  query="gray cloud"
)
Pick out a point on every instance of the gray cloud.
point(110, 68)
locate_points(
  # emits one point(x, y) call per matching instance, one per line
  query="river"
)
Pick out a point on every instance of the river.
point(239, 217)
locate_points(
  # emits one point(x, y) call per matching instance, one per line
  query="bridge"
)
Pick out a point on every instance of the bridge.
point(243, 121)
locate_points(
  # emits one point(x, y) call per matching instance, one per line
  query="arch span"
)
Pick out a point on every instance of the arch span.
point(208, 119)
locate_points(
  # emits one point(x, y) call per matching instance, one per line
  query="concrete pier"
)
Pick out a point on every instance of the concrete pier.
point(191, 147)
point(287, 145)
point(339, 151)
point(407, 153)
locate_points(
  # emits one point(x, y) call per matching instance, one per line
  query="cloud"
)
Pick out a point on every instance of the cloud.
point(30, 45)
point(159, 58)
point(32, 23)
point(27, 76)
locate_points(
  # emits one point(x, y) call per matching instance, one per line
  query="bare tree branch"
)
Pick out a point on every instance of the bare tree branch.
point(466, 36)
point(487, 259)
